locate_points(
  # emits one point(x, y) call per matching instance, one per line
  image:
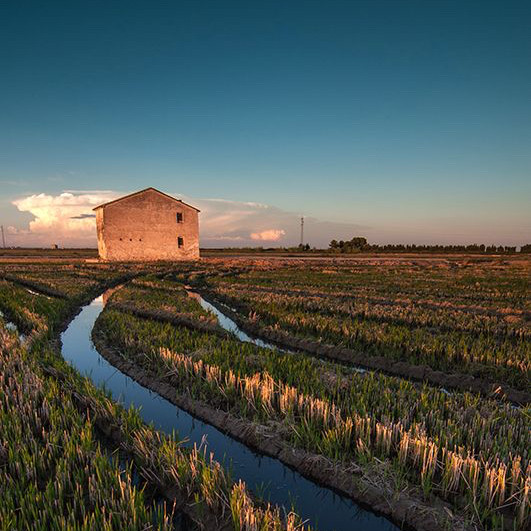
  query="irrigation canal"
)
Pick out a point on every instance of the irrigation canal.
point(270, 478)
point(228, 324)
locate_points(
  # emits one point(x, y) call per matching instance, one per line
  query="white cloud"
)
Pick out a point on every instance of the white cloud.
point(271, 235)
point(67, 219)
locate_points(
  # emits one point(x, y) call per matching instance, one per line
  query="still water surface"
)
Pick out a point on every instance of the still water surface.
point(12, 327)
point(320, 506)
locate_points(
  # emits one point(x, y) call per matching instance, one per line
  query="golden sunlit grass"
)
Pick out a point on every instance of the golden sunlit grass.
point(490, 485)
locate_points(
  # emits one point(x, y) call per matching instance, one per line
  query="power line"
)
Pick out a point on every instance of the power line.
point(302, 231)
point(3, 238)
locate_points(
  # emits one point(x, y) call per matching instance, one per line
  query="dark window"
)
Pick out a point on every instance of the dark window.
point(179, 217)
point(180, 242)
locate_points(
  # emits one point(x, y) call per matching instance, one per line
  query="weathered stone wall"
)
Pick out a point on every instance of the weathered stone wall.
point(145, 227)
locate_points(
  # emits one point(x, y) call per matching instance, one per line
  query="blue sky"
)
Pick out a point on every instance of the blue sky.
point(401, 121)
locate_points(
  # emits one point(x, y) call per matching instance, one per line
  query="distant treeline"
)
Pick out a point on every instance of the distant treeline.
point(360, 244)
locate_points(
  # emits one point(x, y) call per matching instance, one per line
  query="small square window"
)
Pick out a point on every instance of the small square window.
point(179, 217)
point(180, 242)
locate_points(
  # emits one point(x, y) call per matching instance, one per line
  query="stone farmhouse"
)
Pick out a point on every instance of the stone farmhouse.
point(147, 225)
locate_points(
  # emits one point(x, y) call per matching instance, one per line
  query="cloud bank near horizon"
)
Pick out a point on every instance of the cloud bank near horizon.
point(67, 219)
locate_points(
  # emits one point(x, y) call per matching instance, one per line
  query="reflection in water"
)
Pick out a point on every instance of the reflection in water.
point(29, 290)
point(229, 325)
point(269, 477)
point(12, 327)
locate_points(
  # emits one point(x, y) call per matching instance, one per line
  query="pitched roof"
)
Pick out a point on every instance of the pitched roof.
point(141, 192)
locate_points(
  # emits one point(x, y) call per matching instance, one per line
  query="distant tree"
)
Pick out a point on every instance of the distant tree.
point(526, 248)
point(353, 245)
point(358, 243)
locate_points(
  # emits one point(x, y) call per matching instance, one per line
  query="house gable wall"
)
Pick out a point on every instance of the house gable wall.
point(144, 227)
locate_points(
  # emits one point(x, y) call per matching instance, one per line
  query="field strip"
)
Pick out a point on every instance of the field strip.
point(348, 481)
point(35, 286)
point(379, 363)
point(383, 301)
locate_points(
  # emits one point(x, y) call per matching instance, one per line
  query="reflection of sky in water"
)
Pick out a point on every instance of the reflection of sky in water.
point(263, 474)
point(228, 324)
point(12, 327)
point(29, 290)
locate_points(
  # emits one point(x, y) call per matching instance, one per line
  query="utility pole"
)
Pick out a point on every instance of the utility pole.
point(302, 231)
point(3, 238)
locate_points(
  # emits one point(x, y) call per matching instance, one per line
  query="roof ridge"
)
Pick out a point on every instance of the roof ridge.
point(142, 191)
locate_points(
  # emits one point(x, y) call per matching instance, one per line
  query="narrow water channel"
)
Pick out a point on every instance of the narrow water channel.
point(228, 324)
point(268, 477)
